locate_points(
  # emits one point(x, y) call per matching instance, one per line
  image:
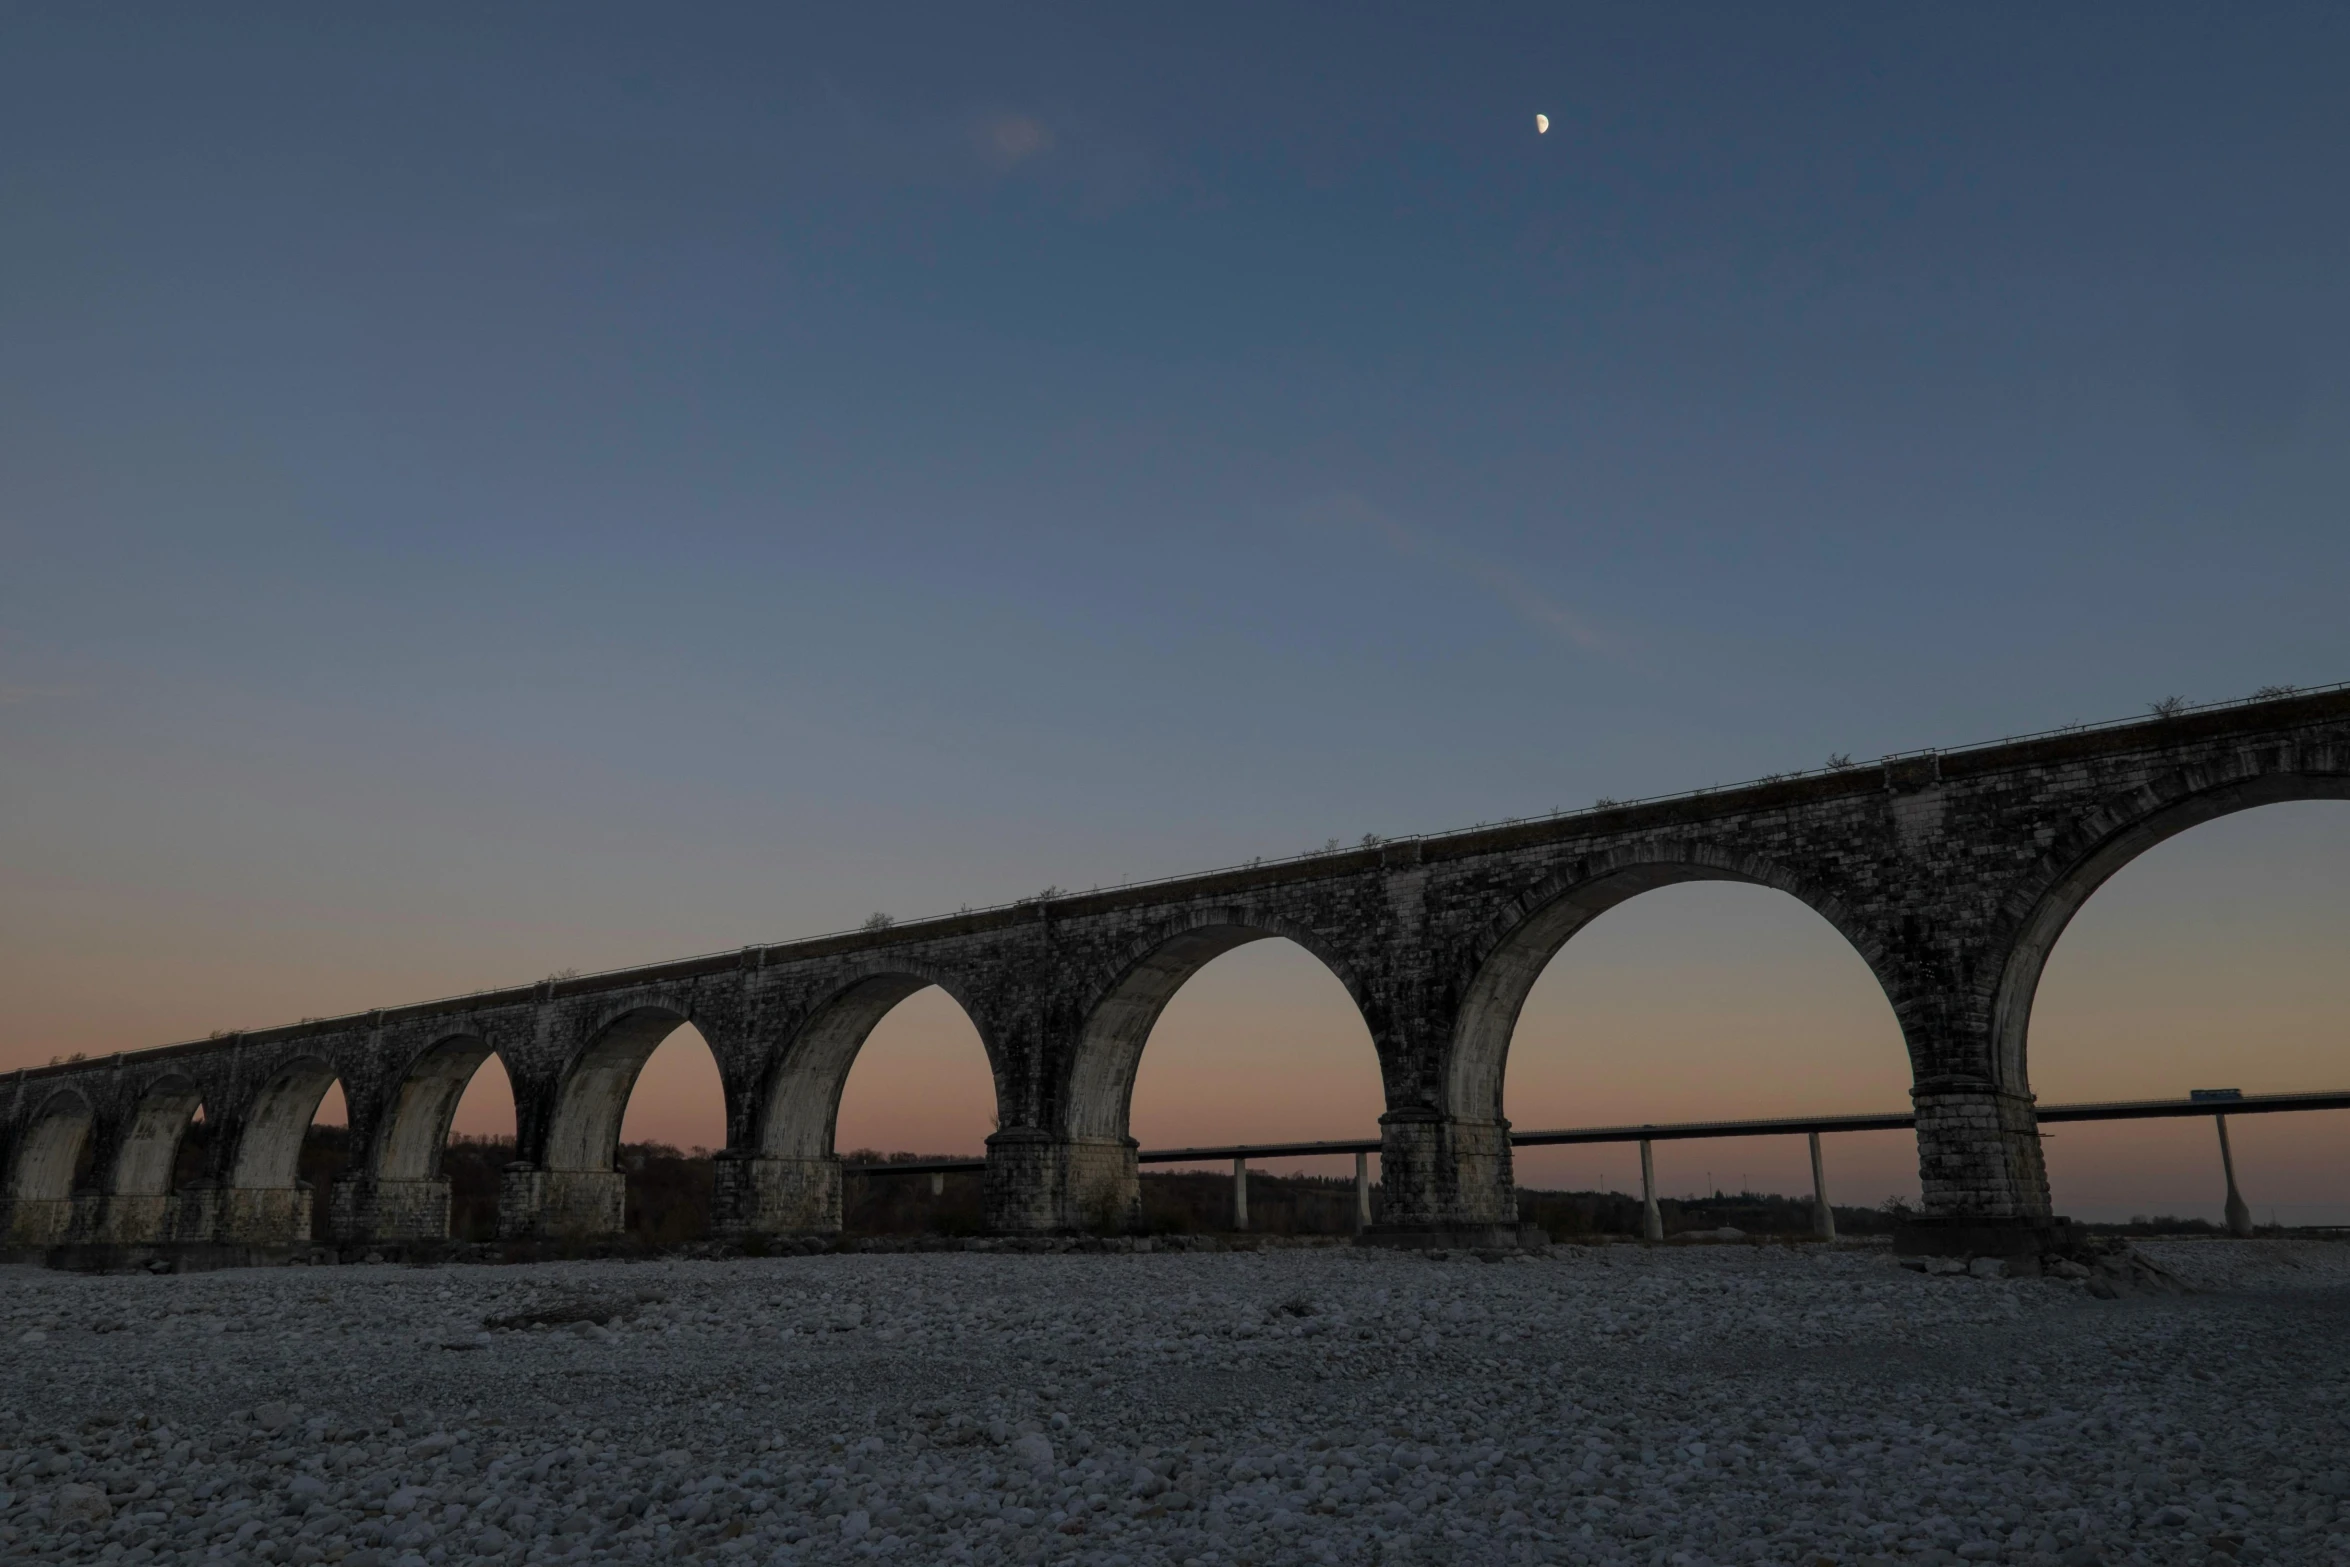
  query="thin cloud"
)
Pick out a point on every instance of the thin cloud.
point(1008, 140)
point(1529, 605)
point(1097, 166)
point(838, 138)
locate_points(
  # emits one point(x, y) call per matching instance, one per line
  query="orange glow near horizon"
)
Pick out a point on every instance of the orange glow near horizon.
point(678, 1098)
point(920, 1085)
point(1710, 1001)
point(2213, 961)
point(1263, 1045)
point(487, 1110)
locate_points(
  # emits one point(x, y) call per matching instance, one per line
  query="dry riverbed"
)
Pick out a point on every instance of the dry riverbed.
point(1719, 1404)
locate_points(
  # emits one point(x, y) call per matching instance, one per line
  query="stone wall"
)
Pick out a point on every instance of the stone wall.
point(1950, 873)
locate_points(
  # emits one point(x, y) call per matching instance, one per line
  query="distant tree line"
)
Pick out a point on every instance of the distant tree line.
point(670, 1190)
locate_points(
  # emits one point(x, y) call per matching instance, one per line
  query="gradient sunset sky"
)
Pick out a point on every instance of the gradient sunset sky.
point(486, 493)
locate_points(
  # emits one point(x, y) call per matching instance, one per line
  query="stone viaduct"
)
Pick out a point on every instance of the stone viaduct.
point(1952, 873)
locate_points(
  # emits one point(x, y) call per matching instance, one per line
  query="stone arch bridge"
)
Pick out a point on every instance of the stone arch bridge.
point(1951, 873)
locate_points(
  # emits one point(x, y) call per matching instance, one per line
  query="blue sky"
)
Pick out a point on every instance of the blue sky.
point(579, 484)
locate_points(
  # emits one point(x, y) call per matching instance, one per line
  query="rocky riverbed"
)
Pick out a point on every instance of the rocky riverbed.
point(1718, 1404)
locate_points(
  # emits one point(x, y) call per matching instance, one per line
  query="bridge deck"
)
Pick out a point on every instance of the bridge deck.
point(1890, 1121)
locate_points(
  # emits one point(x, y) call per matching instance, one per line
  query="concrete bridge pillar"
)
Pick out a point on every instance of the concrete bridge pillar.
point(39, 1221)
point(564, 1185)
point(265, 1215)
point(87, 1217)
point(537, 1204)
point(1042, 1183)
point(44, 1167)
point(1984, 1185)
point(194, 1215)
point(122, 1218)
point(365, 1208)
point(1652, 1218)
point(1979, 1152)
point(769, 1194)
point(1446, 1181)
point(392, 1191)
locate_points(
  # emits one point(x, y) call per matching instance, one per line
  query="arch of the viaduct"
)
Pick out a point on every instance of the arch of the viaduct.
point(583, 1127)
point(46, 1152)
point(268, 1142)
point(1096, 1096)
point(1951, 873)
point(96, 1159)
point(2108, 839)
point(1089, 1100)
point(401, 1115)
point(137, 1153)
point(150, 1148)
point(798, 1106)
point(415, 1124)
point(568, 1120)
point(265, 1197)
point(1530, 930)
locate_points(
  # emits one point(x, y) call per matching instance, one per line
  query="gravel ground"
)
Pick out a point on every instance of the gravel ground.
point(1731, 1403)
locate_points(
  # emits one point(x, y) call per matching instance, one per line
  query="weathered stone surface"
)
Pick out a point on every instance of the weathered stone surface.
point(560, 1204)
point(1952, 874)
point(383, 1209)
point(759, 1195)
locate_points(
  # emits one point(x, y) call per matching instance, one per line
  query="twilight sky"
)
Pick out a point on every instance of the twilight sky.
point(558, 489)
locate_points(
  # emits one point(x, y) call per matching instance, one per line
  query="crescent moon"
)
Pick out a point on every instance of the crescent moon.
point(1542, 125)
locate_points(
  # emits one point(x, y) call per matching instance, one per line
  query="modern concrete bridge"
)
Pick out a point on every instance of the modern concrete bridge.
point(1952, 873)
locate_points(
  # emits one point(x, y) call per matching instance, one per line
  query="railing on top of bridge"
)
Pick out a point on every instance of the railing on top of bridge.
point(2216, 1103)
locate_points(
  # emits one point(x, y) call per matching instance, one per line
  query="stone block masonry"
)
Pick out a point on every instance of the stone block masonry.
point(1951, 874)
